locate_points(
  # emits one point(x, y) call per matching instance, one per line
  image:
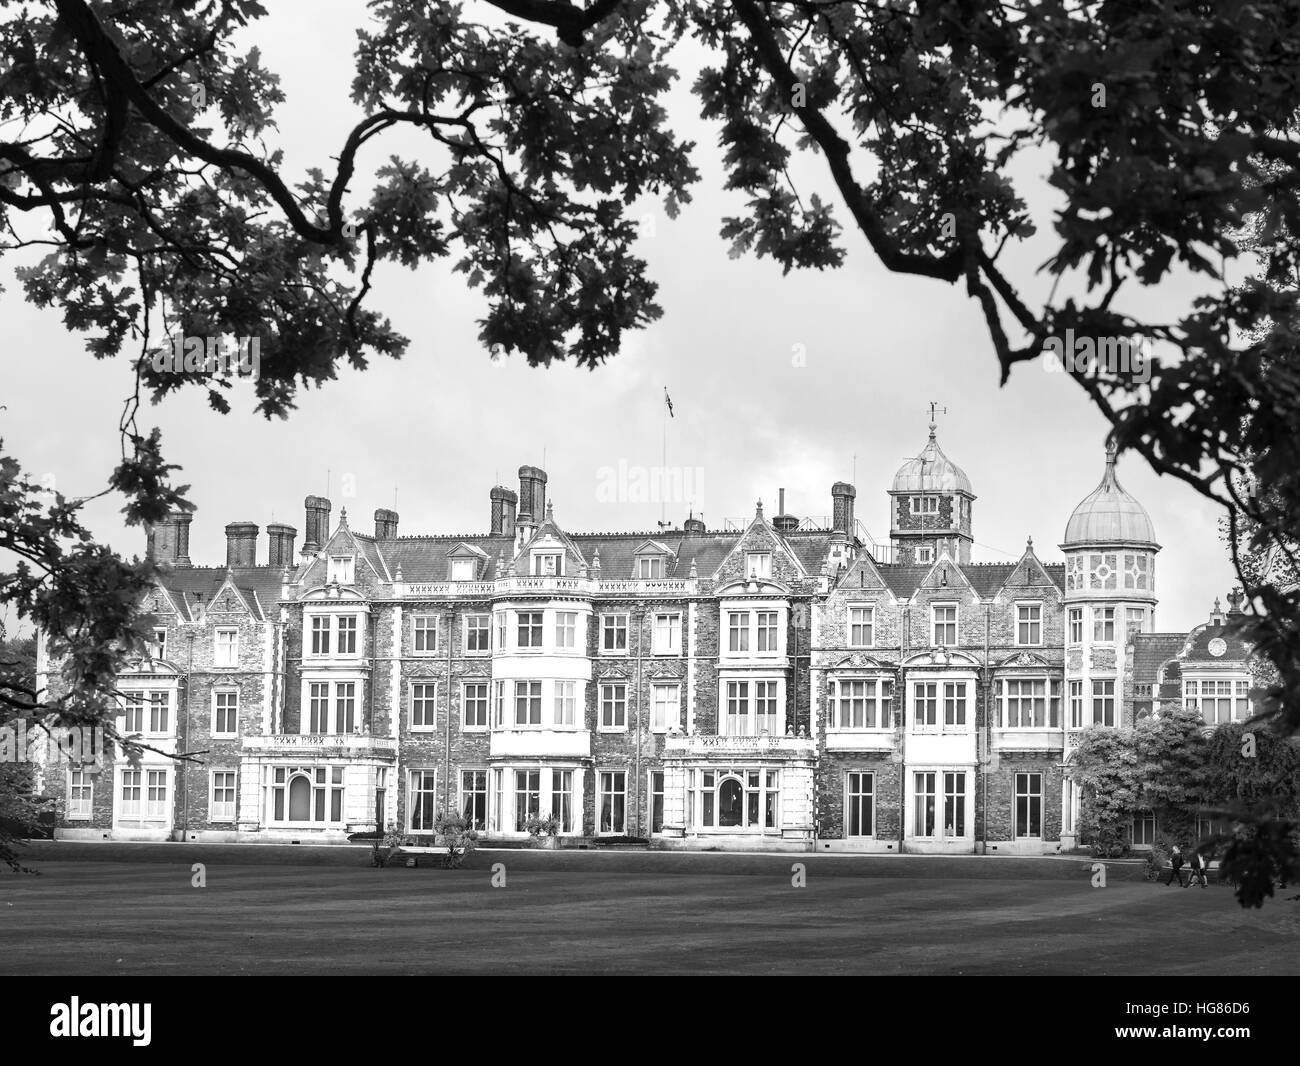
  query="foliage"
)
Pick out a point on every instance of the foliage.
point(457, 834)
point(18, 811)
point(386, 844)
point(542, 825)
point(138, 147)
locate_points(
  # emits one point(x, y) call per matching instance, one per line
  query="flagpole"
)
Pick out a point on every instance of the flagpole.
point(663, 470)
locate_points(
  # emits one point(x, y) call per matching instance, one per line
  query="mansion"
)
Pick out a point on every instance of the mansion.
point(791, 685)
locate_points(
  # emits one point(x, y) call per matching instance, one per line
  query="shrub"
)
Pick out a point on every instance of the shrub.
point(455, 833)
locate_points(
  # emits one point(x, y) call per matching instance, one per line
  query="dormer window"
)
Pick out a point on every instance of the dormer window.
point(342, 570)
point(158, 646)
point(925, 505)
point(925, 554)
point(650, 568)
point(758, 564)
point(548, 564)
point(463, 570)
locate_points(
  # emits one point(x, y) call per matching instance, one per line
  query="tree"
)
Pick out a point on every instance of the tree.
point(17, 811)
point(137, 147)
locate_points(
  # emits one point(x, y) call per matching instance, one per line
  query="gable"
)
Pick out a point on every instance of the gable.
point(759, 536)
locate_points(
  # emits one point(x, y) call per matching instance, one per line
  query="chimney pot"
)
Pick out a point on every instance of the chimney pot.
point(241, 544)
point(280, 538)
point(504, 507)
point(385, 524)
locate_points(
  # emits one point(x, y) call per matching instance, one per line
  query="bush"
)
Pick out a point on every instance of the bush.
point(547, 825)
point(455, 833)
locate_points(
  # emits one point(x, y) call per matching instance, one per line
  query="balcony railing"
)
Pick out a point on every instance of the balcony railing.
point(766, 746)
point(328, 743)
point(526, 585)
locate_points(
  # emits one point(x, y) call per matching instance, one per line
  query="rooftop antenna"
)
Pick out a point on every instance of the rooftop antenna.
point(328, 472)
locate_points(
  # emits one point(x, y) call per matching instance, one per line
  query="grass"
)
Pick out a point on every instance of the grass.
point(662, 914)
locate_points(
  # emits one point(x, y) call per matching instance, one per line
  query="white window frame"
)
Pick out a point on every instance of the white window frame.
point(740, 701)
point(1074, 626)
point(480, 624)
point(925, 553)
point(651, 567)
point(531, 706)
point(536, 631)
point(867, 622)
point(1076, 704)
point(565, 704)
point(1035, 619)
point(609, 701)
point(666, 633)
point(665, 713)
point(607, 782)
point(427, 702)
point(869, 777)
point(941, 793)
point(466, 726)
point(341, 570)
point(459, 572)
point(1051, 698)
point(610, 625)
point(1028, 794)
point(424, 625)
point(421, 781)
point(924, 504)
point(226, 811)
point(217, 694)
point(1096, 696)
point(758, 565)
point(1103, 618)
point(566, 630)
point(1195, 697)
point(876, 706)
point(81, 795)
point(474, 790)
point(548, 564)
point(225, 653)
point(935, 623)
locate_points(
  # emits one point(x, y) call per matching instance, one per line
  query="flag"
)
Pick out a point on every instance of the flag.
point(669, 402)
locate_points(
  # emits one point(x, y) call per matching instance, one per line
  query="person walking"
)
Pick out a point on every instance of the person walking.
point(1175, 865)
point(1197, 865)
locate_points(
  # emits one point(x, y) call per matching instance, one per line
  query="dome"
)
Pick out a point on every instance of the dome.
point(931, 471)
point(1109, 515)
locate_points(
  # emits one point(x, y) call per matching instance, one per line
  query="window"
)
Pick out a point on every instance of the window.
point(925, 504)
point(144, 795)
point(943, 619)
point(501, 631)
point(752, 708)
point(667, 634)
point(925, 554)
point(1136, 571)
point(954, 704)
point(221, 807)
point(765, 706)
point(473, 798)
point(464, 569)
point(81, 794)
point(1076, 704)
point(758, 564)
point(925, 798)
point(865, 704)
point(1102, 571)
point(133, 712)
point(1029, 805)
point(613, 801)
point(954, 804)
point(424, 629)
point(422, 805)
point(158, 646)
point(737, 707)
point(738, 631)
point(1135, 618)
point(318, 700)
point(226, 651)
point(548, 564)
point(225, 713)
point(613, 707)
point(424, 705)
point(477, 634)
point(499, 702)
point(1103, 625)
point(862, 627)
point(1029, 703)
point(566, 629)
point(767, 631)
point(528, 703)
point(341, 570)
point(613, 634)
point(656, 801)
point(474, 705)
point(562, 798)
point(320, 634)
point(1218, 700)
point(1029, 624)
point(528, 797)
point(664, 704)
point(1144, 829)
point(346, 629)
point(566, 702)
point(1076, 625)
point(345, 706)
point(925, 712)
point(740, 798)
point(859, 804)
point(530, 629)
point(650, 567)
point(1103, 703)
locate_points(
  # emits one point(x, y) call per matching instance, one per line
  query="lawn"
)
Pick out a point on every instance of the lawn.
point(672, 915)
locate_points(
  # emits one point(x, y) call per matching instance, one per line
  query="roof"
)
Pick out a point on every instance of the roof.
point(931, 471)
point(987, 579)
point(1109, 515)
point(1150, 651)
point(190, 585)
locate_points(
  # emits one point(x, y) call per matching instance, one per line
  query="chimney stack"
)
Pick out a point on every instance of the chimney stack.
point(169, 541)
point(504, 506)
point(281, 538)
point(694, 526)
point(532, 493)
point(784, 523)
point(842, 496)
point(385, 524)
point(241, 544)
point(318, 524)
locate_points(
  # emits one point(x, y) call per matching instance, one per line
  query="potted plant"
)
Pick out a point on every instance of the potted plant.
point(544, 829)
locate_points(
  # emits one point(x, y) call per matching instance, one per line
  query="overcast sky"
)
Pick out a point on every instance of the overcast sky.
point(792, 382)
